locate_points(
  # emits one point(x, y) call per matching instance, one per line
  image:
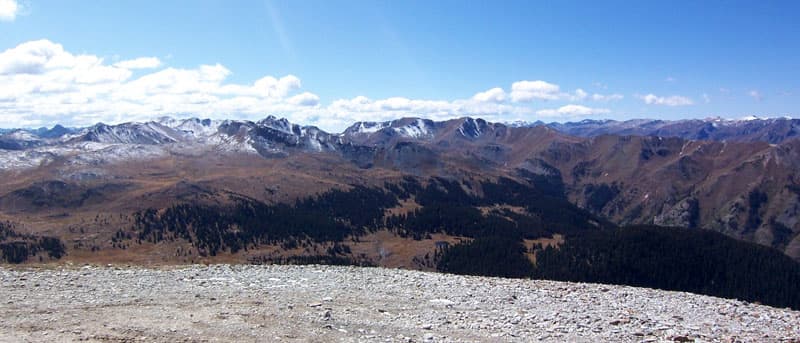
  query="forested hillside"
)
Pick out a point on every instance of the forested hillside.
point(16, 247)
point(697, 261)
point(444, 206)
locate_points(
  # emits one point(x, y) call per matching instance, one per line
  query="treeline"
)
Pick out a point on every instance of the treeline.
point(594, 251)
point(331, 216)
point(487, 256)
point(697, 261)
point(690, 260)
point(446, 207)
point(17, 247)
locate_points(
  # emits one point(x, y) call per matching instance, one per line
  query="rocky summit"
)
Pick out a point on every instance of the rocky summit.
point(351, 304)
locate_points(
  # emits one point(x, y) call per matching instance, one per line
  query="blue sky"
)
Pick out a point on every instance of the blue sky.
point(329, 63)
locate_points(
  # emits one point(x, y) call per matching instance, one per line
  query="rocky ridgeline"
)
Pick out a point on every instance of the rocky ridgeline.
point(322, 303)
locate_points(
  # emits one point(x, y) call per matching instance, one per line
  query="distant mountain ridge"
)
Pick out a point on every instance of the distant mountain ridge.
point(751, 129)
point(169, 130)
point(738, 177)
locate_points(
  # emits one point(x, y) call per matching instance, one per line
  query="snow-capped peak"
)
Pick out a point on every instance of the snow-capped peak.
point(198, 127)
point(370, 127)
point(282, 125)
point(130, 133)
point(417, 129)
point(168, 121)
point(472, 128)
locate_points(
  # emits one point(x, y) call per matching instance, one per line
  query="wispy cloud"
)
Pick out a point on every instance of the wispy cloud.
point(674, 100)
point(571, 111)
point(279, 28)
point(755, 94)
point(527, 91)
point(608, 97)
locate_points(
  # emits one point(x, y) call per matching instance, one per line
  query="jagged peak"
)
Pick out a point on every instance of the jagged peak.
point(413, 127)
point(472, 128)
point(366, 127)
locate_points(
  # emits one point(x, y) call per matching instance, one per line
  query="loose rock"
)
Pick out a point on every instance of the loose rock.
point(221, 303)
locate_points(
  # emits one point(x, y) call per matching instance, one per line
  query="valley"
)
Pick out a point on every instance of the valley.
point(410, 193)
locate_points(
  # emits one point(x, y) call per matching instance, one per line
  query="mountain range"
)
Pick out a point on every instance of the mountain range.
point(737, 177)
point(749, 129)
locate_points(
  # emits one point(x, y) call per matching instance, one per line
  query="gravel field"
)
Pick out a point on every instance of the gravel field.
point(348, 304)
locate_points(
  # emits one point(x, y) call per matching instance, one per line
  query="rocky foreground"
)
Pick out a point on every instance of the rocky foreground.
point(323, 303)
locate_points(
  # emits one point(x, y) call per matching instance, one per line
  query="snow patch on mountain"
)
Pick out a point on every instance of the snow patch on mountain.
point(197, 128)
point(472, 128)
point(94, 154)
point(282, 125)
point(21, 135)
point(77, 154)
point(417, 129)
point(130, 133)
point(274, 137)
point(370, 127)
point(226, 143)
point(21, 160)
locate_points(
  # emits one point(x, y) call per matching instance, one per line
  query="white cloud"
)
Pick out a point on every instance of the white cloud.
point(670, 79)
point(579, 95)
point(524, 91)
point(272, 87)
point(8, 10)
point(304, 99)
point(607, 97)
point(139, 63)
point(675, 100)
point(345, 111)
point(571, 111)
point(755, 94)
point(706, 98)
point(496, 95)
point(33, 58)
point(42, 83)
